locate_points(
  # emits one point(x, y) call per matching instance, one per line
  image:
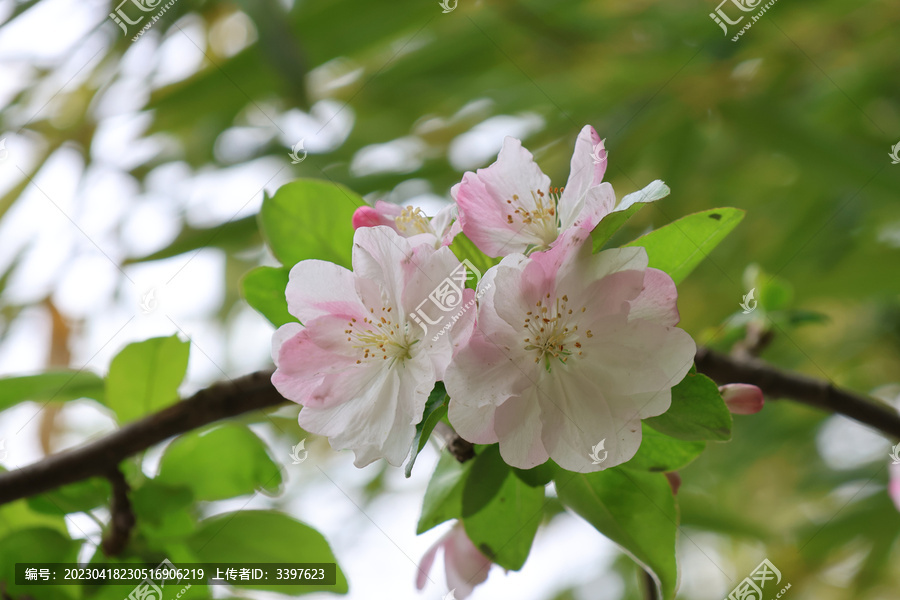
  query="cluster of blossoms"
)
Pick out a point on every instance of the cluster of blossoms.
point(564, 347)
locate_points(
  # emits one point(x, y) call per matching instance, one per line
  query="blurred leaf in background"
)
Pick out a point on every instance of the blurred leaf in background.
point(136, 164)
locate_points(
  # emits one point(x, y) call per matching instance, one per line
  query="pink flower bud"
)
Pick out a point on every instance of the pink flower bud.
point(366, 216)
point(742, 398)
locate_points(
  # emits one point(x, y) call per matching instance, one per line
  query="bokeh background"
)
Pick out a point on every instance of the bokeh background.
point(130, 168)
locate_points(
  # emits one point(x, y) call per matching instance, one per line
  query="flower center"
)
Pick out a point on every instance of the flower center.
point(380, 337)
point(552, 332)
point(542, 221)
point(413, 220)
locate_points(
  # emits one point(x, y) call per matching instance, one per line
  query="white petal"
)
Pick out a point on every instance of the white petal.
point(652, 192)
point(518, 426)
point(379, 422)
point(317, 287)
point(577, 415)
point(657, 301)
point(584, 173)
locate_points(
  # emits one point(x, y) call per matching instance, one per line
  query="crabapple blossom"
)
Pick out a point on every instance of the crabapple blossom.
point(465, 565)
point(510, 207)
point(356, 362)
point(570, 348)
point(411, 222)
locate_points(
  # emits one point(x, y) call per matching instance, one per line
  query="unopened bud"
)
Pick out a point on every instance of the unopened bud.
point(742, 398)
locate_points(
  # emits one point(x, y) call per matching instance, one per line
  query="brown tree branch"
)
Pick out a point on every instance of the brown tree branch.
point(459, 448)
point(122, 517)
point(255, 391)
point(220, 401)
point(776, 383)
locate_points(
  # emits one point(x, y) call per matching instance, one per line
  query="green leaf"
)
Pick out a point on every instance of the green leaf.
point(19, 515)
point(801, 317)
point(680, 246)
point(776, 294)
point(636, 510)
point(465, 249)
point(435, 410)
point(501, 513)
point(263, 289)
point(60, 386)
point(75, 497)
point(538, 476)
point(773, 293)
point(38, 544)
point(660, 453)
point(309, 218)
point(220, 463)
point(697, 412)
point(144, 377)
point(443, 497)
point(267, 537)
point(163, 511)
point(610, 224)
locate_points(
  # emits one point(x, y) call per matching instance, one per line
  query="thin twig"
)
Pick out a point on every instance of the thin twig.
point(776, 384)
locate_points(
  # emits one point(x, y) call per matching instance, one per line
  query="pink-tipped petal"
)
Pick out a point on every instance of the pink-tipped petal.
point(598, 202)
point(742, 398)
point(358, 365)
point(493, 202)
point(657, 301)
point(317, 287)
point(427, 562)
point(556, 354)
point(586, 171)
point(454, 230)
point(466, 565)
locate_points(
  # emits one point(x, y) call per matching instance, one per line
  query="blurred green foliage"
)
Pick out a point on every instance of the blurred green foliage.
point(791, 124)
